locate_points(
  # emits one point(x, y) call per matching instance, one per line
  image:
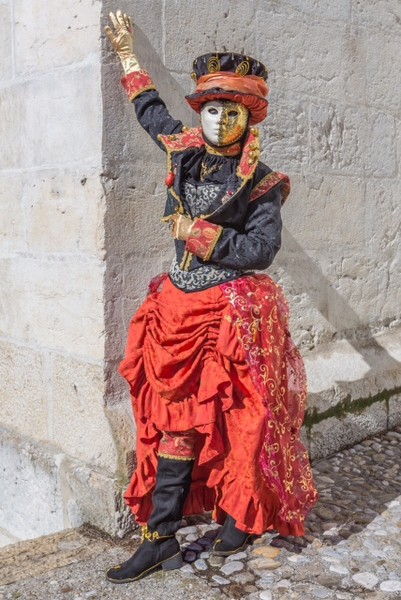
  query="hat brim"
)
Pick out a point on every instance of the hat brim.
point(257, 106)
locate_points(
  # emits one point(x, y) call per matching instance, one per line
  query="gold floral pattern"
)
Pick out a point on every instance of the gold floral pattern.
point(260, 314)
point(203, 238)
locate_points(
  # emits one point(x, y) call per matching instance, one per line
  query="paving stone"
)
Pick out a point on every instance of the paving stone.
point(328, 580)
point(321, 592)
point(187, 569)
point(220, 580)
point(266, 595)
point(261, 564)
point(243, 578)
point(200, 565)
point(340, 569)
point(249, 589)
point(391, 585)
point(315, 565)
point(238, 556)
point(232, 567)
point(283, 584)
point(266, 551)
point(366, 580)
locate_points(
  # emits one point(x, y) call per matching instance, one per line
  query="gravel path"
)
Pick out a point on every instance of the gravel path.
point(352, 550)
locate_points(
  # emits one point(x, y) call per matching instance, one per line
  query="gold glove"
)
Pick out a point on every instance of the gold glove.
point(122, 40)
point(182, 226)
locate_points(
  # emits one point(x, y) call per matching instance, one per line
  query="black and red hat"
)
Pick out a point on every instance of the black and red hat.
point(230, 76)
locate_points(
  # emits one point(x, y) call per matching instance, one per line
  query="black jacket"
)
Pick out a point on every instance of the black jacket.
point(249, 213)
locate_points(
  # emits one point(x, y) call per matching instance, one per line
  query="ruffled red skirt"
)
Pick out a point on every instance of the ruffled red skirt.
point(221, 362)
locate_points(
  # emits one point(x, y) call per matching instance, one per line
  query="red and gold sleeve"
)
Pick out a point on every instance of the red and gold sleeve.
point(136, 83)
point(203, 238)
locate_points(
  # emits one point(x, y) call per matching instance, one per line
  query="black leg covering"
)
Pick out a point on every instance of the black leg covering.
point(159, 548)
point(230, 539)
point(172, 486)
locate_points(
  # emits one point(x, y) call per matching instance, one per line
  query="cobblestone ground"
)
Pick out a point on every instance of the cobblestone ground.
point(352, 550)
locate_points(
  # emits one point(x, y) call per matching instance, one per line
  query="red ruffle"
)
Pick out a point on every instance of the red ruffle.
point(187, 369)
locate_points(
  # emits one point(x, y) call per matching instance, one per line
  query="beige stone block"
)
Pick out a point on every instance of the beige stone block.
point(383, 217)
point(353, 141)
point(324, 9)
point(5, 41)
point(63, 211)
point(356, 41)
point(24, 390)
point(137, 218)
point(120, 416)
point(220, 26)
point(28, 477)
point(79, 424)
point(54, 120)
point(383, 70)
point(394, 418)
point(306, 289)
point(381, 160)
point(80, 485)
point(333, 434)
point(285, 131)
point(54, 303)
point(48, 35)
point(389, 308)
point(338, 139)
point(326, 214)
point(12, 218)
point(381, 14)
point(125, 139)
point(12, 118)
point(304, 54)
point(375, 300)
point(323, 300)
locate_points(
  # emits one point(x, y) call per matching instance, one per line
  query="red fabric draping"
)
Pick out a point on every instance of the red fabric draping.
point(249, 90)
point(249, 84)
point(189, 366)
point(260, 315)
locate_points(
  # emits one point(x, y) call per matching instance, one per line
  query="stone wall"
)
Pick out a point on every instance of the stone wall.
point(82, 191)
point(52, 327)
point(334, 127)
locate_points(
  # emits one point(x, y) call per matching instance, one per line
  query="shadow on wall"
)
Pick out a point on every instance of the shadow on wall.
point(335, 309)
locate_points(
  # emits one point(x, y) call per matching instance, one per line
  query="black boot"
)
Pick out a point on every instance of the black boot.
point(230, 539)
point(159, 547)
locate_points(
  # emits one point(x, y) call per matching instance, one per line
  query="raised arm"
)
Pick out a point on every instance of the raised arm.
point(150, 109)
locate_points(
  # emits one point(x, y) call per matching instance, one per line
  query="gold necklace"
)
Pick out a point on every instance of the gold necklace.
point(205, 170)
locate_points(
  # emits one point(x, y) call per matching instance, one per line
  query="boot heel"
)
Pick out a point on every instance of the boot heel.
point(175, 562)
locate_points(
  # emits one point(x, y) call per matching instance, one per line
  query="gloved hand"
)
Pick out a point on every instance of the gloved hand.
point(181, 228)
point(122, 40)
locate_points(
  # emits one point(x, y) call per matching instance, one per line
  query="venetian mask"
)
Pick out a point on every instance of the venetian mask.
point(223, 122)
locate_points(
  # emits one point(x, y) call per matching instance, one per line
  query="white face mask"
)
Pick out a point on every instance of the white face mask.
point(223, 122)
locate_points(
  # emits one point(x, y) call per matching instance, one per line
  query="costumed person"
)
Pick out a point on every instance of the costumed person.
point(218, 388)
